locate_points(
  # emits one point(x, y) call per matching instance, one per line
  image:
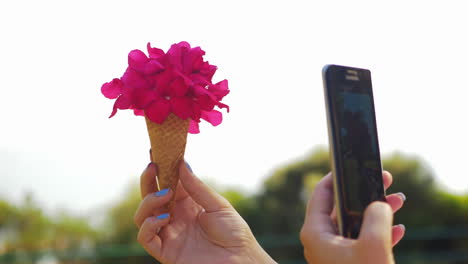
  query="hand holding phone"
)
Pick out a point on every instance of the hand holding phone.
point(322, 244)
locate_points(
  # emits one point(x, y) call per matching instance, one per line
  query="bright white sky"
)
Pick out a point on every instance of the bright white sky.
point(57, 141)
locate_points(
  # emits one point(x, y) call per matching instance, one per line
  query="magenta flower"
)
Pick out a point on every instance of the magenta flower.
point(178, 82)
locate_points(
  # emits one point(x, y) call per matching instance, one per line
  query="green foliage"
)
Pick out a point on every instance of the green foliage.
point(277, 211)
point(27, 232)
point(6, 210)
point(118, 240)
point(119, 228)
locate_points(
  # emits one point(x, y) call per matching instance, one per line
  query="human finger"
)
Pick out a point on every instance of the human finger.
point(148, 236)
point(201, 193)
point(398, 231)
point(181, 193)
point(320, 206)
point(396, 201)
point(148, 180)
point(153, 204)
point(387, 179)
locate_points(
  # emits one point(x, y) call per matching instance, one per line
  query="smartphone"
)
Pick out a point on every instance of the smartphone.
point(354, 146)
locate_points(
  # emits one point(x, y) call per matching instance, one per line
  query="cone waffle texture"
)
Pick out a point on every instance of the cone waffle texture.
point(167, 148)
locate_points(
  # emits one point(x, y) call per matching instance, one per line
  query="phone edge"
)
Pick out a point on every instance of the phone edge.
point(332, 156)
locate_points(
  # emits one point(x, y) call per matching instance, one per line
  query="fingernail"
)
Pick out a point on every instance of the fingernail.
point(149, 164)
point(188, 167)
point(147, 167)
point(162, 192)
point(163, 216)
point(402, 226)
point(402, 195)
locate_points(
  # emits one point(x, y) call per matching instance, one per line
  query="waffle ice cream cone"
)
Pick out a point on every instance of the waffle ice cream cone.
point(167, 149)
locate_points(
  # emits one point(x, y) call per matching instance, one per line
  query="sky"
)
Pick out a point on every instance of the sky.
point(57, 141)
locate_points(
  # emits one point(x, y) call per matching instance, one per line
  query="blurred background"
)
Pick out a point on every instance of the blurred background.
point(69, 175)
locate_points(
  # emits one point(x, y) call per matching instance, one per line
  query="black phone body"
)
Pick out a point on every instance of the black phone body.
point(354, 147)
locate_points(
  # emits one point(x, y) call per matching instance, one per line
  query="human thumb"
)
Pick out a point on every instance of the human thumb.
point(375, 239)
point(201, 193)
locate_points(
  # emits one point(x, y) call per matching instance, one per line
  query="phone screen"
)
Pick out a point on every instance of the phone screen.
point(356, 141)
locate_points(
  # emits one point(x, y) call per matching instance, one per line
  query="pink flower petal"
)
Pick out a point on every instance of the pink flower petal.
point(152, 67)
point(112, 89)
point(193, 60)
point(183, 44)
point(187, 80)
point(178, 87)
point(197, 62)
point(122, 102)
point(181, 107)
point(154, 53)
point(193, 127)
point(196, 112)
point(213, 117)
point(137, 60)
point(208, 70)
point(201, 91)
point(206, 102)
point(139, 112)
point(162, 81)
point(134, 80)
point(223, 85)
point(221, 106)
point(142, 98)
point(114, 111)
point(158, 111)
point(220, 89)
point(176, 54)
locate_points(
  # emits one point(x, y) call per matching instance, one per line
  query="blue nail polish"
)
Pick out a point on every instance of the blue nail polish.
point(162, 192)
point(188, 167)
point(163, 216)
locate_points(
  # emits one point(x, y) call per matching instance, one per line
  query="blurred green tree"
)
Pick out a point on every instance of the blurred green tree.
point(436, 220)
point(27, 232)
point(276, 213)
point(118, 241)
